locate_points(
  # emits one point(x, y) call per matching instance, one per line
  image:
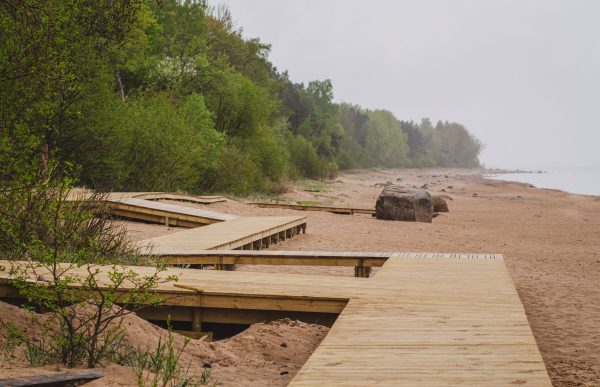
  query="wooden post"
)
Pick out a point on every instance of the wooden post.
point(167, 221)
point(197, 320)
point(361, 270)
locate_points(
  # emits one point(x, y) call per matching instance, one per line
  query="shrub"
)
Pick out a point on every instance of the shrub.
point(52, 239)
point(304, 157)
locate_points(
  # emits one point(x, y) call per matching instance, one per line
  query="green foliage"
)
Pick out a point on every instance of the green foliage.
point(237, 173)
point(304, 157)
point(48, 239)
point(165, 368)
point(12, 338)
point(170, 96)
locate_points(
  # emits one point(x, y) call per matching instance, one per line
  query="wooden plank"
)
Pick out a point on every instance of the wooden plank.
point(82, 194)
point(302, 207)
point(233, 234)
point(180, 197)
point(272, 257)
point(234, 316)
point(444, 320)
point(156, 211)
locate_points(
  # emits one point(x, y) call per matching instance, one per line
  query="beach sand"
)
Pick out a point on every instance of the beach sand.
point(550, 241)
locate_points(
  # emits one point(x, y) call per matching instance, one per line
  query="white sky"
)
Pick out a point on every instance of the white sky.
point(523, 76)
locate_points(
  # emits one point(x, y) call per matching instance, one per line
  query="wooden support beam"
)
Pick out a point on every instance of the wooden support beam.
point(335, 210)
point(271, 257)
point(197, 320)
point(233, 316)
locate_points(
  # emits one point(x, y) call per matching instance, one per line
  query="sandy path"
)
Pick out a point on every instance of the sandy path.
point(550, 240)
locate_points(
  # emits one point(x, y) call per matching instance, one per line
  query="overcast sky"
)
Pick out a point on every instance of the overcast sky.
point(523, 76)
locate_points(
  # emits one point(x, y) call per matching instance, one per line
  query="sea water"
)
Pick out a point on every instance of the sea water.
point(581, 180)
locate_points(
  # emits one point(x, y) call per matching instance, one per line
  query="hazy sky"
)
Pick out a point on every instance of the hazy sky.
point(523, 76)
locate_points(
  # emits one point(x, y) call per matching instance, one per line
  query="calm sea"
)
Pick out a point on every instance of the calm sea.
point(582, 180)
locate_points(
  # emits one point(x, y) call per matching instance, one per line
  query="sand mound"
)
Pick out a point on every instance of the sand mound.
point(266, 353)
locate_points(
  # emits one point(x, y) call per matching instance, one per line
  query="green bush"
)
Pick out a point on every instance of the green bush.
point(236, 173)
point(304, 157)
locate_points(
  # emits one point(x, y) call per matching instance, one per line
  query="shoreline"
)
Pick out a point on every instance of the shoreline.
point(577, 181)
point(529, 185)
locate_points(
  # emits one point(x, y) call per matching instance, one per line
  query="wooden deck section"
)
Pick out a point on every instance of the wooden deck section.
point(433, 320)
point(180, 197)
point(239, 233)
point(168, 214)
point(424, 319)
point(301, 207)
point(81, 193)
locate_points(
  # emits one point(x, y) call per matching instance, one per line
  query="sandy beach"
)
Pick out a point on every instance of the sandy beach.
point(550, 241)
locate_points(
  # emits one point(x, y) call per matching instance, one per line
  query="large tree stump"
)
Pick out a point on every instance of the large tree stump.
point(410, 205)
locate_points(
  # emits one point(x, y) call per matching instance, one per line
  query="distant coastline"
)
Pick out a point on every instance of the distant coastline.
point(580, 180)
point(501, 171)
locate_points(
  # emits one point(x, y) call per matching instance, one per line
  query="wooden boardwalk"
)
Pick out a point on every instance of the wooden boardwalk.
point(302, 207)
point(147, 206)
point(434, 320)
point(81, 193)
point(239, 233)
point(422, 320)
point(168, 214)
point(180, 197)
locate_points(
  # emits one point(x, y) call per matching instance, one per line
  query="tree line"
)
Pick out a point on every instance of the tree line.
point(168, 95)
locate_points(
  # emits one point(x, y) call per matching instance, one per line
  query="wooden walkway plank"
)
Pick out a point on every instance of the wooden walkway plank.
point(273, 257)
point(441, 321)
point(180, 197)
point(233, 234)
point(82, 193)
point(303, 207)
point(169, 214)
